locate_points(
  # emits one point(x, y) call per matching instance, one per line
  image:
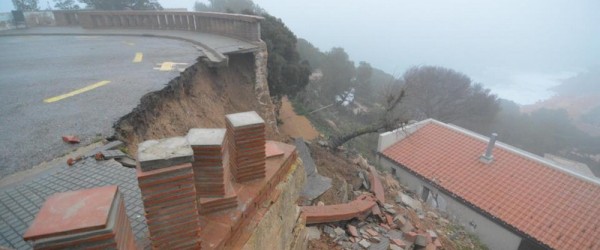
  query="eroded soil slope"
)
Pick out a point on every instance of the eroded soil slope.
point(199, 97)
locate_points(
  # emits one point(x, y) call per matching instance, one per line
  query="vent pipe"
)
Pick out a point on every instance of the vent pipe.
point(488, 157)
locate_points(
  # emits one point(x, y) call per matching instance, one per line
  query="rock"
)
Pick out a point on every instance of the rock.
point(444, 221)
point(352, 230)
point(432, 214)
point(395, 234)
point(407, 227)
point(329, 231)
point(410, 236)
point(364, 243)
point(323, 143)
point(394, 247)
point(372, 232)
point(344, 191)
point(320, 204)
point(422, 240)
point(313, 233)
point(400, 220)
point(375, 239)
point(390, 211)
point(338, 231)
point(365, 181)
point(432, 235)
point(388, 206)
point(398, 242)
point(382, 244)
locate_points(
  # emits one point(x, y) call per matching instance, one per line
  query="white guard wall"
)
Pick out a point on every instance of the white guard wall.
point(491, 234)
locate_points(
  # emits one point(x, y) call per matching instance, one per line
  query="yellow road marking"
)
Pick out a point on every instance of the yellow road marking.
point(76, 92)
point(138, 57)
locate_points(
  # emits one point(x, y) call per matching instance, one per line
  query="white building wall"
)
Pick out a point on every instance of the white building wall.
point(491, 234)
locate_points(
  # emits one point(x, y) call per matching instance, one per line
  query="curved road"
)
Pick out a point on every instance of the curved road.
point(60, 85)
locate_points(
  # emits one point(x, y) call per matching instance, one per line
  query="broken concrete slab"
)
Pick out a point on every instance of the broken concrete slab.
point(365, 181)
point(364, 243)
point(157, 154)
point(111, 154)
point(408, 201)
point(313, 233)
point(316, 184)
point(108, 146)
point(126, 162)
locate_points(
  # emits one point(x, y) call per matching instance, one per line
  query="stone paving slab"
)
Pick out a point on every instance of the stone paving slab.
point(20, 204)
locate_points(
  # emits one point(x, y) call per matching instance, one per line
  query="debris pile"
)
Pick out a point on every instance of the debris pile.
point(400, 222)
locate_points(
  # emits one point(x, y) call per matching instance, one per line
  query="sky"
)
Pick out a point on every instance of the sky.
point(517, 48)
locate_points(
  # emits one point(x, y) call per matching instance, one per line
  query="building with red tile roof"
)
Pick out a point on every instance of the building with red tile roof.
point(516, 200)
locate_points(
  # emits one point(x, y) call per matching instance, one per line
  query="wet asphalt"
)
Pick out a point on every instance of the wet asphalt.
point(37, 68)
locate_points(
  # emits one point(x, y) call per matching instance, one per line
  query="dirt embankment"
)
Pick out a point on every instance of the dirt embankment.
point(295, 125)
point(199, 97)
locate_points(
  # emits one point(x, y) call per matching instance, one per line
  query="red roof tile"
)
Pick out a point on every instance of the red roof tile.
point(550, 205)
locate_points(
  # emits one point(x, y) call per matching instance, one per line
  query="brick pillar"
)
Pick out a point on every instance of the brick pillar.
point(207, 145)
point(246, 143)
point(84, 219)
point(166, 180)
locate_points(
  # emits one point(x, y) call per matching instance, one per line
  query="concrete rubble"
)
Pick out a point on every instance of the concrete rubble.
point(316, 184)
point(402, 223)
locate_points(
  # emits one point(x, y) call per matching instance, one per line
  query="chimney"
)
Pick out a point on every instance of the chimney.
point(487, 157)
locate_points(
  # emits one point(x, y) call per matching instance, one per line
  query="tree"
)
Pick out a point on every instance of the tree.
point(338, 74)
point(364, 72)
point(449, 96)
point(390, 119)
point(66, 5)
point(310, 53)
point(26, 5)
point(122, 4)
point(230, 6)
point(287, 74)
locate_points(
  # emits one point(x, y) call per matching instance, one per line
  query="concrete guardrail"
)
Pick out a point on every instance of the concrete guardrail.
point(244, 27)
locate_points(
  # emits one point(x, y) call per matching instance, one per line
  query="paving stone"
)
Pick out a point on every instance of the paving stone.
point(79, 176)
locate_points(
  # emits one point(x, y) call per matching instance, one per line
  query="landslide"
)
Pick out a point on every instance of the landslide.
point(198, 98)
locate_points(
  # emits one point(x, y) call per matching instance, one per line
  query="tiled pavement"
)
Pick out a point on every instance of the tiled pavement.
point(20, 204)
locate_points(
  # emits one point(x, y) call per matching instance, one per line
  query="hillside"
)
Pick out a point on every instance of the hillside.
point(199, 97)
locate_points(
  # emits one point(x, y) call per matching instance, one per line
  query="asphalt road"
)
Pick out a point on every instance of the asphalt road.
point(52, 86)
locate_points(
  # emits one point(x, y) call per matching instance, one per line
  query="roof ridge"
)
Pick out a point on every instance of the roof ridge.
point(510, 148)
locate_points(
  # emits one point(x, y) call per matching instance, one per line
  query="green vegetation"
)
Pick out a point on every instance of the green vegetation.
point(122, 4)
point(66, 5)
point(26, 5)
point(287, 74)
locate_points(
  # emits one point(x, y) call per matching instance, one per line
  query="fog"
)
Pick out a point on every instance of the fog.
point(519, 49)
